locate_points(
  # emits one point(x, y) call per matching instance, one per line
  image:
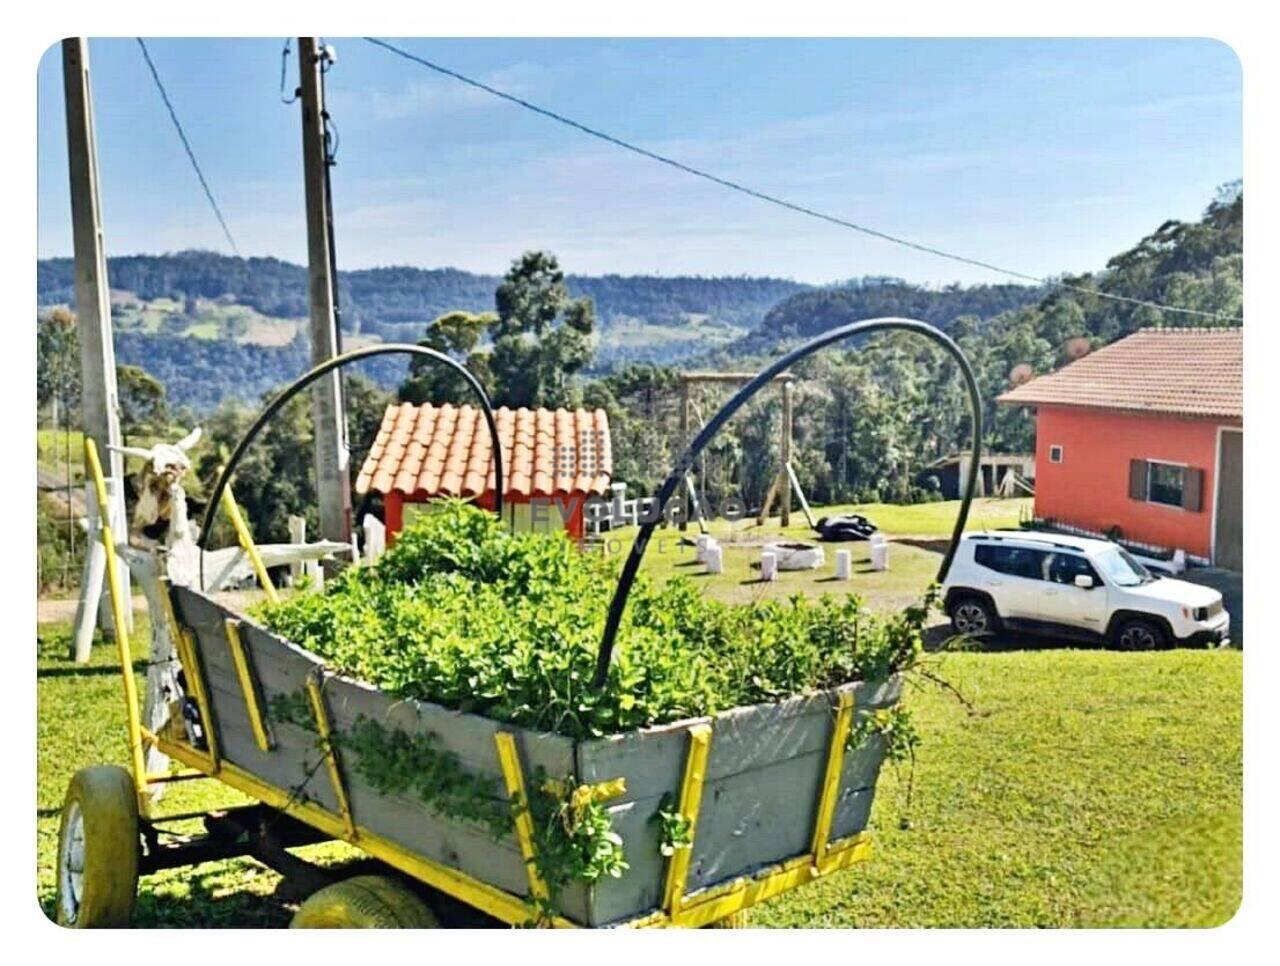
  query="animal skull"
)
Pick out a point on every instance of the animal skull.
point(159, 484)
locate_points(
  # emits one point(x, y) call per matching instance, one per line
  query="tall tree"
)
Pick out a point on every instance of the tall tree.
point(458, 335)
point(542, 336)
point(143, 404)
point(57, 364)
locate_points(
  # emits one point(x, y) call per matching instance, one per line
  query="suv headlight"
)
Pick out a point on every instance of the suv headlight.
point(1196, 613)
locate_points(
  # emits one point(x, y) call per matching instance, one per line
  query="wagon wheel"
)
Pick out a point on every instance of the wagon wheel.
point(364, 902)
point(98, 849)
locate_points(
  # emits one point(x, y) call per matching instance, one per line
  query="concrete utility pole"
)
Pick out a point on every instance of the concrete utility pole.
point(99, 405)
point(785, 449)
point(332, 458)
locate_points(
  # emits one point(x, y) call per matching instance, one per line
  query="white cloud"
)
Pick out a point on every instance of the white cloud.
point(434, 96)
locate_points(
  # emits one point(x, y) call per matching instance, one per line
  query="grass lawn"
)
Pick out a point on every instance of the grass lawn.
point(914, 554)
point(1092, 789)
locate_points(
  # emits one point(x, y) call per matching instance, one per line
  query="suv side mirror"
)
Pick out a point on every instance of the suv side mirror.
point(1084, 581)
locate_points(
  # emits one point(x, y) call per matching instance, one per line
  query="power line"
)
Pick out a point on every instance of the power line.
point(782, 202)
point(182, 136)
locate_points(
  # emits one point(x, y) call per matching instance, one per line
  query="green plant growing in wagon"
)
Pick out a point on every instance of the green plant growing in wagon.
point(573, 836)
point(674, 830)
point(895, 725)
point(462, 613)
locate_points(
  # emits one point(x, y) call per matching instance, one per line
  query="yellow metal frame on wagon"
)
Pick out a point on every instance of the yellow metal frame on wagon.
point(679, 909)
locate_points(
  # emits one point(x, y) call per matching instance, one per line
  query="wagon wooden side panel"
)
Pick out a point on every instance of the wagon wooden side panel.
point(763, 781)
point(295, 760)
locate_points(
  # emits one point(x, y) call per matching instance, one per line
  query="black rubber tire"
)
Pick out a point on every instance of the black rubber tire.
point(1139, 634)
point(98, 846)
point(972, 615)
point(364, 902)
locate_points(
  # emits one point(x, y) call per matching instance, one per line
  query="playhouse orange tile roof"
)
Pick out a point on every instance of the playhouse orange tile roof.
point(1182, 372)
point(429, 451)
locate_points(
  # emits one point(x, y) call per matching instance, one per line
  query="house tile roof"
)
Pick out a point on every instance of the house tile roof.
point(428, 451)
point(1182, 372)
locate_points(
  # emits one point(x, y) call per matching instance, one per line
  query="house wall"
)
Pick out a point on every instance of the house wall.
point(1090, 487)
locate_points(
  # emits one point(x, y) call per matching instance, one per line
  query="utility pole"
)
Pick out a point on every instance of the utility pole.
point(332, 458)
point(97, 353)
point(785, 449)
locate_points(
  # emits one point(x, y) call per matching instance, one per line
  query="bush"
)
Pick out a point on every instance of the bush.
point(462, 613)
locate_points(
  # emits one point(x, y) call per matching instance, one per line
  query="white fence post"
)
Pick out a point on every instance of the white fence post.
point(298, 535)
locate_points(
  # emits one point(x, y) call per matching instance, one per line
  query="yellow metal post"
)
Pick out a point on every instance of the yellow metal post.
point(831, 780)
point(321, 714)
point(695, 773)
point(246, 543)
point(119, 618)
point(509, 759)
point(248, 684)
point(189, 655)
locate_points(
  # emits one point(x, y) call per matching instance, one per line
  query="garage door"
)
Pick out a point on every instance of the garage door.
point(1228, 550)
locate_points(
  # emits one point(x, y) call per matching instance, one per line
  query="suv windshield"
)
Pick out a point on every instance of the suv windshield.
point(1121, 569)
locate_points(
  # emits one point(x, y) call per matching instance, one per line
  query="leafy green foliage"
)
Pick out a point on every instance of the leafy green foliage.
point(462, 613)
point(895, 725)
point(674, 830)
point(276, 478)
point(394, 761)
point(573, 837)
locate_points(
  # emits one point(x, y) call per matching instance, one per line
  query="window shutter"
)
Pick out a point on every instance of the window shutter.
point(1137, 479)
point(1192, 489)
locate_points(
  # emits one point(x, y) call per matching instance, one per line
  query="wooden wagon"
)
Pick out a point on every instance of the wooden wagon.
point(768, 796)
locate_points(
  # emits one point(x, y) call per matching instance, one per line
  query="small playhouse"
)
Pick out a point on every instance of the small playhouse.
point(554, 461)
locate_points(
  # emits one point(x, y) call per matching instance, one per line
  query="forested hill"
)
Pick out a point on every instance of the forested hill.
point(808, 313)
point(1194, 265)
point(374, 300)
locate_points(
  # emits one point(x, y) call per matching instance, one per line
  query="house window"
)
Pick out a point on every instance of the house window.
point(1168, 484)
point(1165, 483)
point(1055, 453)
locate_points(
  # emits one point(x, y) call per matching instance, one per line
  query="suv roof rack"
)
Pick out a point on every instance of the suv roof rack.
point(1031, 537)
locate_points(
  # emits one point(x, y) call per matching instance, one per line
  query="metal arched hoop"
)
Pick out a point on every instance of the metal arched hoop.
point(762, 379)
point(337, 362)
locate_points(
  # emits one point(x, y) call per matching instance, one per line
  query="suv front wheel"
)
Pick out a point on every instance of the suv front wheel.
point(973, 616)
point(1138, 634)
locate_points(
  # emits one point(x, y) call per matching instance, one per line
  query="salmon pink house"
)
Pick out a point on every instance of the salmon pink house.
point(1144, 440)
point(553, 461)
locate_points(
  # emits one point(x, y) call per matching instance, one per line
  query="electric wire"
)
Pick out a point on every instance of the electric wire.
point(182, 136)
point(784, 203)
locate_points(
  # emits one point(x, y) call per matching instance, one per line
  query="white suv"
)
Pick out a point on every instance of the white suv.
point(1086, 588)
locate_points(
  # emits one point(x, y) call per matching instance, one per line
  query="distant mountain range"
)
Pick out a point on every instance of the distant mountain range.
point(247, 314)
point(379, 298)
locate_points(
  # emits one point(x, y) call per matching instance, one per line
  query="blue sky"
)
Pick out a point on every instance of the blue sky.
point(1045, 156)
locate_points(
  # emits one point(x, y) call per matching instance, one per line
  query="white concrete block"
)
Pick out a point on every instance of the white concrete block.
point(880, 555)
point(715, 560)
point(768, 566)
point(844, 564)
